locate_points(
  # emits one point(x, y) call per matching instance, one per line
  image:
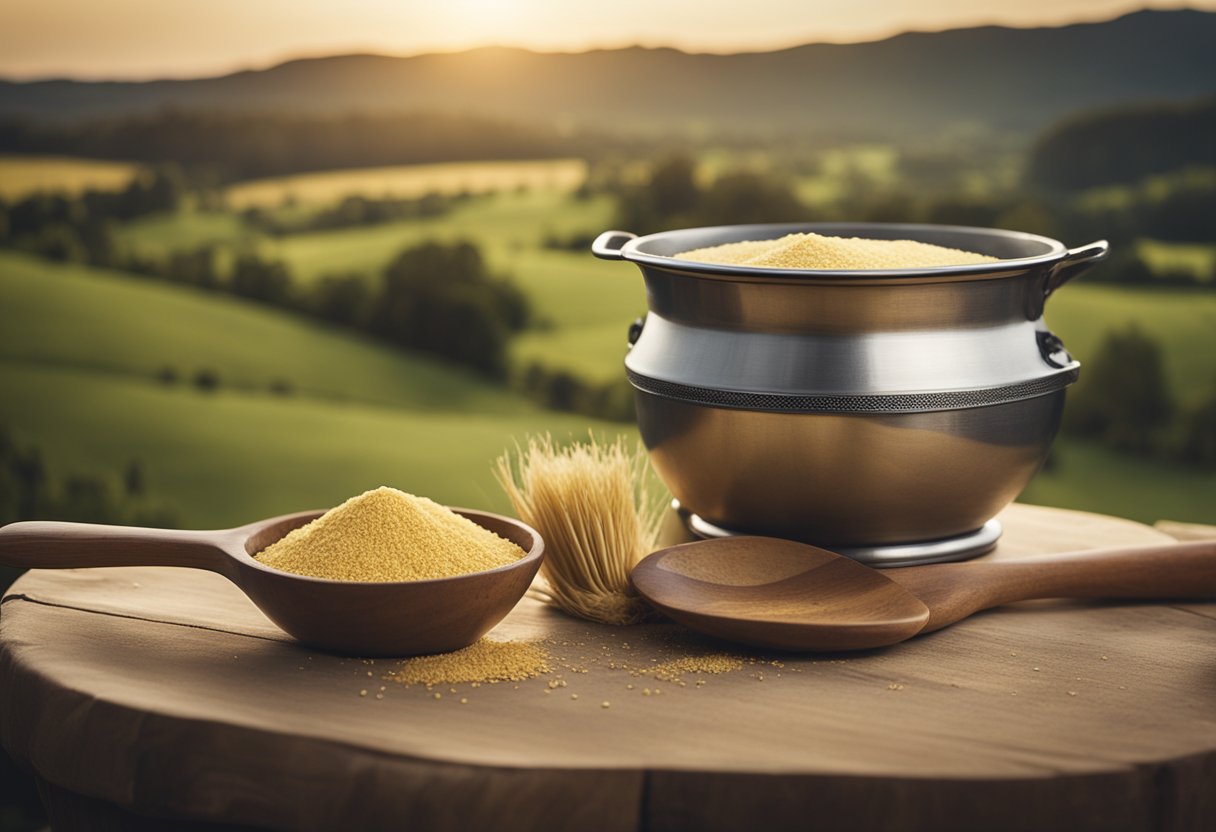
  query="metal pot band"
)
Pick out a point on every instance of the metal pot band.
point(891, 403)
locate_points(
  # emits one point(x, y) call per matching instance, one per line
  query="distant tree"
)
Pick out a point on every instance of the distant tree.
point(559, 389)
point(1185, 212)
point(1031, 214)
point(1124, 266)
point(441, 298)
point(34, 213)
point(26, 493)
point(564, 391)
point(888, 207)
point(23, 480)
point(673, 186)
point(133, 479)
point(1124, 144)
point(747, 197)
point(669, 195)
point(207, 380)
point(1123, 399)
point(1197, 445)
point(96, 236)
point(196, 267)
point(344, 299)
point(60, 242)
point(87, 500)
point(244, 145)
point(964, 210)
point(672, 198)
point(266, 281)
point(160, 190)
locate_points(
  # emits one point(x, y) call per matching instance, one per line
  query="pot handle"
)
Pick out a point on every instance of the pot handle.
point(608, 245)
point(1076, 261)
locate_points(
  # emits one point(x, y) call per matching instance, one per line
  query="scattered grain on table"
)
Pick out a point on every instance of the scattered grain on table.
point(676, 669)
point(483, 661)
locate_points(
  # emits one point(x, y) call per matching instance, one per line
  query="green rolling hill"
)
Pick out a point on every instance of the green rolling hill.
point(80, 346)
point(85, 318)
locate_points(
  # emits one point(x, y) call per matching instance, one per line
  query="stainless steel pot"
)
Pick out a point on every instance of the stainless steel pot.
point(888, 414)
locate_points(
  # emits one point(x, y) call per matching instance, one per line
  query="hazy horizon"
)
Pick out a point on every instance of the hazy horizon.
point(44, 39)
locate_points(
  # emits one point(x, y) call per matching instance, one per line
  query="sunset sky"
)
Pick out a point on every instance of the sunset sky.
point(156, 38)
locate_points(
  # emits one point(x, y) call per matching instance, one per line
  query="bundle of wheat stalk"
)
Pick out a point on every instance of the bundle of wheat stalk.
point(591, 504)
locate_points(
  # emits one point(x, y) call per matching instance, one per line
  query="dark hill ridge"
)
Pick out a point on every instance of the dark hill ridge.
point(1013, 78)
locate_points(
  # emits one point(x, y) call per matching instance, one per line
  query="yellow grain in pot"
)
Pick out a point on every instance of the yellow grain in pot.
point(388, 535)
point(814, 251)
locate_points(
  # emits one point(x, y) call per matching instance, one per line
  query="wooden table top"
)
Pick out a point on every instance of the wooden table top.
point(166, 692)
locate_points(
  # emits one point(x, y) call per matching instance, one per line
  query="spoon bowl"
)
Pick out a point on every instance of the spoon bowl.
point(778, 594)
point(400, 618)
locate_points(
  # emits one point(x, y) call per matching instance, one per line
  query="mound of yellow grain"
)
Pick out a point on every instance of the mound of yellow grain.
point(814, 251)
point(388, 535)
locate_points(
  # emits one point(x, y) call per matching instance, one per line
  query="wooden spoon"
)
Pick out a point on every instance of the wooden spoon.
point(358, 618)
point(782, 594)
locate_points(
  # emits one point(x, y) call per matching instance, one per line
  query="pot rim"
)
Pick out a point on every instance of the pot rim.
point(633, 252)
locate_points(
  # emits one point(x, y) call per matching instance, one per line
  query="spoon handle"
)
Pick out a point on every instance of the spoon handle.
point(954, 591)
point(37, 544)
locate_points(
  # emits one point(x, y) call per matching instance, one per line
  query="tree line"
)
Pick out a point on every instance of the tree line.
point(247, 146)
point(355, 211)
point(1124, 145)
point(29, 491)
point(1124, 402)
point(437, 298)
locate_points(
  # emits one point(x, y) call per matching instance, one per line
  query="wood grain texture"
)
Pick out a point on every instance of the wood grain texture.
point(164, 691)
point(1171, 570)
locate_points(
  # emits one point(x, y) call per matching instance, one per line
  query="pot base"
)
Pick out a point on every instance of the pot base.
point(942, 550)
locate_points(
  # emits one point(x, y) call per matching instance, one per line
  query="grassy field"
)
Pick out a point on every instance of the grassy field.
point(1091, 478)
point(409, 181)
point(24, 175)
point(74, 316)
point(231, 457)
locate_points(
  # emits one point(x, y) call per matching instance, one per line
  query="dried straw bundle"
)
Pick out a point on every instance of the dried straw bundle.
point(591, 505)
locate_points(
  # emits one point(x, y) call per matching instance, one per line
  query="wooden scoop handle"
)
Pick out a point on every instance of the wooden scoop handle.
point(952, 591)
point(38, 544)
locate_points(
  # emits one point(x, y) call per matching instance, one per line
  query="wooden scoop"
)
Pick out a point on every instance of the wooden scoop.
point(781, 594)
point(365, 619)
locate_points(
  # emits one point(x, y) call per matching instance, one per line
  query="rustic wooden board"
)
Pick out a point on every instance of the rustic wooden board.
point(165, 692)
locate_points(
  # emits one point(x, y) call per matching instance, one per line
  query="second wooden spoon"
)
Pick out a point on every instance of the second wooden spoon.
point(775, 593)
